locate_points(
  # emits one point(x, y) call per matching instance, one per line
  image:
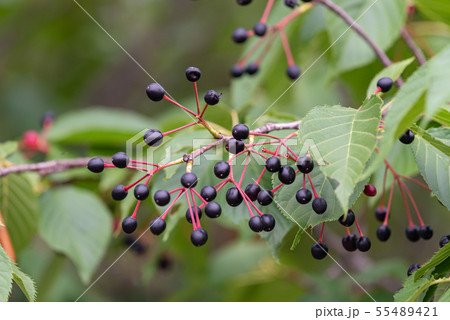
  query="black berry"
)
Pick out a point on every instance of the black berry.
point(189, 180)
point(413, 233)
point(293, 72)
point(129, 224)
point(141, 192)
point(221, 169)
point(363, 244)
point(349, 220)
point(252, 68)
point(240, 35)
point(380, 213)
point(303, 196)
point(157, 226)
point(244, 2)
point(291, 3)
point(256, 224)
point(208, 193)
point(188, 214)
point(426, 232)
point(96, 165)
point(444, 240)
point(193, 74)
point(413, 268)
point(349, 242)
point(265, 197)
point(120, 160)
point(319, 205)
point(161, 197)
point(260, 29)
point(319, 250)
point(286, 175)
point(237, 71)
point(385, 84)
point(305, 164)
point(268, 222)
point(213, 210)
point(252, 191)
point(407, 137)
point(383, 232)
point(212, 98)
point(199, 237)
point(119, 193)
point(240, 131)
point(273, 164)
point(155, 92)
point(153, 137)
point(233, 197)
point(234, 146)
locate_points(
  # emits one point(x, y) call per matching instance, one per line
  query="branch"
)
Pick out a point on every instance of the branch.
point(413, 47)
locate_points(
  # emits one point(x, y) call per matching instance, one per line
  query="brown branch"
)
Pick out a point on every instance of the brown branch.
point(413, 47)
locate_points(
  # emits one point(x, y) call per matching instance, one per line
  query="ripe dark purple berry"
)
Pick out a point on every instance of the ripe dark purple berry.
point(413, 233)
point(349, 220)
point(413, 268)
point(286, 175)
point(222, 169)
point(303, 196)
point(363, 244)
point(237, 71)
point(260, 29)
point(239, 35)
point(370, 190)
point(208, 193)
point(141, 192)
point(252, 191)
point(273, 164)
point(189, 180)
point(252, 68)
point(319, 205)
point(153, 137)
point(256, 224)
point(119, 193)
point(213, 210)
point(188, 214)
point(193, 74)
point(234, 146)
point(293, 72)
point(199, 237)
point(96, 165)
point(212, 98)
point(407, 137)
point(240, 131)
point(426, 232)
point(243, 2)
point(155, 92)
point(319, 250)
point(383, 232)
point(385, 84)
point(444, 240)
point(291, 3)
point(161, 197)
point(305, 164)
point(349, 242)
point(265, 197)
point(157, 226)
point(268, 222)
point(233, 197)
point(380, 213)
point(129, 225)
point(120, 160)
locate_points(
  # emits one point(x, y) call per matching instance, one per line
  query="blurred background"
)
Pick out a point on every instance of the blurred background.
point(55, 57)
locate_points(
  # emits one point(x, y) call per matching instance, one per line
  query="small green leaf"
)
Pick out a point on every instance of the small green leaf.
point(393, 71)
point(25, 283)
point(411, 289)
point(6, 148)
point(435, 9)
point(435, 261)
point(443, 116)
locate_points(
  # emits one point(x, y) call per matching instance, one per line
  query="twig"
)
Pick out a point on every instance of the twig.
point(417, 52)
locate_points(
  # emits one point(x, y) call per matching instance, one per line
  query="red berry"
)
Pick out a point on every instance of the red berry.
point(370, 190)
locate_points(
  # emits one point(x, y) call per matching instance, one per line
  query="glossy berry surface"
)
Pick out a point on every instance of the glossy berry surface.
point(273, 164)
point(319, 205)
point(237, 71)
point(155, 92)
point(291, 3)
point(141, 192)
point(260, 29)
point(413, 268)
point(383, 233)
point(363, 244)
point(293, 72)
point(305, 164)
point(234, 146)
point(349, 242)
point(233, 197)
point(252, 191)
point(252, 68)
point(119, 193)
point(208, 193)
point(96, 165)
point(199, 237)
point(303, 196)
point(161, 197)
point(265, 197)
point(407, 137)
point(319, 250)
point(268, 222)
point(240, 131)
point(153, 137)
point(444, 240)
point(380, 213)
point(239, 35)
point(385, 84)
point(212, 98)
point(193, 74)
point(426, 232)
point(120, 160)
point(213, 210)
point(188, 214)
point(221, 169)
point(349, 220)
point(286, 175)
point(413, 233)
point(129, 225)
point(157, 226)
point(370, 190)
point(189, 180)
point(256, 224)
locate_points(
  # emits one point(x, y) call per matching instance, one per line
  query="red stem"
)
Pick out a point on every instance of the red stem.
point(136, 209)
point(173, 203)
point(179, 105)
point(135, 183)
point(260, 176)
point(203, 112)
point(312, 186)
point(388, 209)
point(195, 207)
point(180, 128)
point(245, 168)
point(146, 163)
point(405, 203)
point(190, 210)
point(286, 47)
point(267, 11)
point(244, 196)
point(321, 232)
point(196, 97)
point(413, 203)
point(200, 197)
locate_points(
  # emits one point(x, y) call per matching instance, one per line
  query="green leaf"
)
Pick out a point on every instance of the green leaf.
point(25, 283)
point(6, 148)
point(20, 209)
point(442, 134)
point(443, 116)
point(344, 139)
point(445, 297)
point(411, 289)
point(76, 223)
point(432, 158)
point(351, 51)
point(438, 258)
point(434, 9)
point(393, 71)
